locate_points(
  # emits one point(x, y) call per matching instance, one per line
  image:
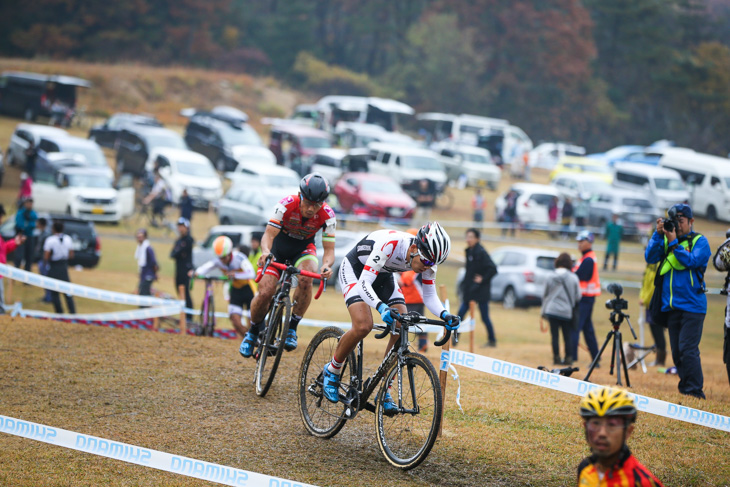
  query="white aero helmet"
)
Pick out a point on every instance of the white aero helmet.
point(433, 243)
point(222, 246)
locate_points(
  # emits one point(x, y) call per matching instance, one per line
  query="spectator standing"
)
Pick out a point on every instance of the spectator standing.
point(26, 188)
point(657, 330)
point(5, 247)
point(57, 251)
point(682, 255)
point(581, 210)
point(562, 292)
point(567, 215)
point(553, 214)
point(478, 204)
point(614, 234)
point(477, 283)
point(186, 206)
point(586, 268)
point(182, 253)
point(146, 262)
point(31, 155)
point(43, 233)
point(25, 222)
point(425, 201)
point(253, 256)
point(509, 215)
point(721, 261)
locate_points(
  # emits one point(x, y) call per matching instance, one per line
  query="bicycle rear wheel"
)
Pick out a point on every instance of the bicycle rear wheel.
point(322, 418)
point(406, 438)
point(272, 345)
point(210, 318)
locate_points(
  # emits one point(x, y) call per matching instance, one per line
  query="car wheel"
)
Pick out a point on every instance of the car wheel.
point(220, 164)
point(509, 301)
point(225, 221)
point(711, 213)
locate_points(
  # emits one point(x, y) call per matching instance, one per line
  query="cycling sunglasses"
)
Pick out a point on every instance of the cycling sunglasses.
point(425, 261)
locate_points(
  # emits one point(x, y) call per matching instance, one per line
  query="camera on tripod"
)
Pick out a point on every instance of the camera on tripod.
point(617, 303)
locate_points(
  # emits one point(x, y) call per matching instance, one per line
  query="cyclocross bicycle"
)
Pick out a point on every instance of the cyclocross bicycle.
point(271, 345)
point(207, 321)
point(405, 437)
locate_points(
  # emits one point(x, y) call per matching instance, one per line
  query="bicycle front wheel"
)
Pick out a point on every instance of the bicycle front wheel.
point(210, 319)
point(272, 345)
point(406, 437)
point(322, 418)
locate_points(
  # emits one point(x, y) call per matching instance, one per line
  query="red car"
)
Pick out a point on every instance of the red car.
point(374, 195)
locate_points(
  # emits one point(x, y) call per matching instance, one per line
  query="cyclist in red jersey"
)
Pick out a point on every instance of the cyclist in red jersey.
point(289, 236)
point(609, 416)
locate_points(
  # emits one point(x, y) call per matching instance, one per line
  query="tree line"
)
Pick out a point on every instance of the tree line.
point(595, 72)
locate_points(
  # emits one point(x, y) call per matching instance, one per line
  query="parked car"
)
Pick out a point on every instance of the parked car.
point(66, 144)
point(107, 134)
point(573, 185)
point(532, 202)
point(407, 165)
point(246, 204)
point(521, 275)
point(22, 136)
point(573, 164)
point(335, 109)
point(33, 95)
point(328, 163)
point(637, 213)
point(663, 186)
point(223, 136)
point(82, 192)
point(136, 143)
point(473, 163)
point(374, 195)
point(294, 145)
point(617, 153)
point(239, 235)
point(86, 243)
point(184, 169)
point(355, 134)
point(264, 176)
point(546, 156)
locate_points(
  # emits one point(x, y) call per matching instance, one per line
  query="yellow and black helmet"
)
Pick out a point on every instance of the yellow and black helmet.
point(607, 402)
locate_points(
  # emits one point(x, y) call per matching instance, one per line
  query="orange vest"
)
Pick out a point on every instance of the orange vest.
point(593, 286)
point(409, 288)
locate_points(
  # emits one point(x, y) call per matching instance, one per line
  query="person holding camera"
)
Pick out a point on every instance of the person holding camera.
point(721, 261)
point(679, 300)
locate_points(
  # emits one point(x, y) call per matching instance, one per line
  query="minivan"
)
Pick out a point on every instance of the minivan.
point(407, 165)
point(708, 178)
point(30, 95)
point(663, 187)
point(136, 143)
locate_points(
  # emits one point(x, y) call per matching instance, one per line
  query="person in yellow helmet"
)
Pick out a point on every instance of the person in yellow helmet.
point(608, 420)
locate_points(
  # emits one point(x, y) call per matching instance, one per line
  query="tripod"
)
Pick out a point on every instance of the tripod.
point(617, 354)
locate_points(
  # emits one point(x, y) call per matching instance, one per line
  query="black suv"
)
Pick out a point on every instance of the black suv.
point(137, 141)
point(215, 133)
point(86, 243)
point(107, 133)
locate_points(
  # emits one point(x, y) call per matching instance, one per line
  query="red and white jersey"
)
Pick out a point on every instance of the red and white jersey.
point(387, 251)
point(288, 218)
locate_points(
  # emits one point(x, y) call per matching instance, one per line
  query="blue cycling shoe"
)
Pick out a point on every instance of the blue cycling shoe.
point(248, 344)
point(291, 341)
point(330, 385)
point(389, 406)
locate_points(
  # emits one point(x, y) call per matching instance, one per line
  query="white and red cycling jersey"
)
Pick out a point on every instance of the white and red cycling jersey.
point(372, 263)
point(288, 218)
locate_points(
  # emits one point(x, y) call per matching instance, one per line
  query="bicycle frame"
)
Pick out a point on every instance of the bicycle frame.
point(207, 301)
point(284, 283)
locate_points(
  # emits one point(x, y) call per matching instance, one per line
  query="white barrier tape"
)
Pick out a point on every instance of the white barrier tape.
point(137, 314)
point(146, 457)
point(455, 375)
point(579, 388)
point(79, 290)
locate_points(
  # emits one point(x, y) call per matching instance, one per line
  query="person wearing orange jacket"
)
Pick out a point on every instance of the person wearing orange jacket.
point(586, 268)
point(411, 284)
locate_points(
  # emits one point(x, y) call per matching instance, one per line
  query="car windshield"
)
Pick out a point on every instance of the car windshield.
point(381, 186)
point(595, 186)
point(281, 180)
point(595, 169)
point(89, 181)
point(172, 141)
point(315, 142)
point(195, 169)
point(669, 184)
point(93, 156)
point(477, 158)
point(244, 136)
point(421, 162)
point(637, 203)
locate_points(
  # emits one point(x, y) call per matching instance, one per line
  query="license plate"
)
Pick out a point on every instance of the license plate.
point(97, 211)
point(482, 183)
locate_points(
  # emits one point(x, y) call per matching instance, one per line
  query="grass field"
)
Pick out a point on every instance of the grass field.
point(195, 397)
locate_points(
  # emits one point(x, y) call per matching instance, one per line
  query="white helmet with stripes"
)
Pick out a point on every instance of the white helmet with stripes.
point(433, 243)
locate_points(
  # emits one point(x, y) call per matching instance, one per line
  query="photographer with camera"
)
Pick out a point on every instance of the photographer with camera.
point(721, 262)
point(679, 300)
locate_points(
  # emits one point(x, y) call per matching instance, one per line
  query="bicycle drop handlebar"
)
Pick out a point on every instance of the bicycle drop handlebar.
point(207, 278)
point(294, 270)
point(414, 318)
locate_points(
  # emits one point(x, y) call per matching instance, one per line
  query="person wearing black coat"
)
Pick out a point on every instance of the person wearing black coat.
point(182, 253)
point(476, 286)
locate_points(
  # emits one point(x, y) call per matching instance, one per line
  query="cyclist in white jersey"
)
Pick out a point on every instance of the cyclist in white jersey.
point(367, 279)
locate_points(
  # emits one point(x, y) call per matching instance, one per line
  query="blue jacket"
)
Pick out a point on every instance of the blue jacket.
point(682, 289)
point(25, 221)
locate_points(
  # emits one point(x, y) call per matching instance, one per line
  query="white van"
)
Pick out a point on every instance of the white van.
point(406, 165)
point(663, 187)
point(708, 178)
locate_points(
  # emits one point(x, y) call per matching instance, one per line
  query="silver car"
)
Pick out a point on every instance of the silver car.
point(521, 276)
point(245, 204)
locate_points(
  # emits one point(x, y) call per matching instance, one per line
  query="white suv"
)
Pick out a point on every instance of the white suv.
point(532, 202)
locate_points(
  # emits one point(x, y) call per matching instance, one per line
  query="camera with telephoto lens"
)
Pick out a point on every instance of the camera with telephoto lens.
point(617, 303)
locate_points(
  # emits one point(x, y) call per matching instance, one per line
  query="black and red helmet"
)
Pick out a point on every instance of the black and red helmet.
point(314, 187)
